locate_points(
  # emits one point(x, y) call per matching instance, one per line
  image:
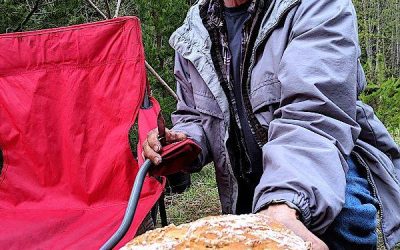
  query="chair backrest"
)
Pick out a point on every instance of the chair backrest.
point(68, 98)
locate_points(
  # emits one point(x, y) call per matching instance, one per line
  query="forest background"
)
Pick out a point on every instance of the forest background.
point(378, 21)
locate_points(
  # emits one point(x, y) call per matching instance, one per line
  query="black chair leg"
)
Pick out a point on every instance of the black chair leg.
point(163, 212)
point(154, 212)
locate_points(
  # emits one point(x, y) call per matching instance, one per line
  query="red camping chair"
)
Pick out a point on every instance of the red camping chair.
point(68, 98)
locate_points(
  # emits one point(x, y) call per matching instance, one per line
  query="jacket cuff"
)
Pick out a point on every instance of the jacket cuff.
point(294, 200)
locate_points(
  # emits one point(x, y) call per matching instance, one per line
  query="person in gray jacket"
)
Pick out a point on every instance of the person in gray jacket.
point(269, 90)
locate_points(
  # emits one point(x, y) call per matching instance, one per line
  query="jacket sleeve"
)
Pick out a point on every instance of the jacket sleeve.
point(315, 129)
point(186, 118)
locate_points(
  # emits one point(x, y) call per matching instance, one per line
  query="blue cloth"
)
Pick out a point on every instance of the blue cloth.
point(355, 226)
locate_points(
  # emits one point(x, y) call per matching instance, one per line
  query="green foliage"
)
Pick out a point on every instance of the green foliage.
point(159, 20)
point(50, 14)
point(11, 14)
point(381, 68)
point(379, 34)
point(385, 99)
point(396, 136)
point(197, 202)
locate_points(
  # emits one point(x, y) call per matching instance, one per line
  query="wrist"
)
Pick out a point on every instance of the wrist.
point(281, 210)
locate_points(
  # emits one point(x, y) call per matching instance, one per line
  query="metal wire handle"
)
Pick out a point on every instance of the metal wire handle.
point(130, 209)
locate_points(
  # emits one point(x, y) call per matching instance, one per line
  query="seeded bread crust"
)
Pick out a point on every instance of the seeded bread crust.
point(233, 232)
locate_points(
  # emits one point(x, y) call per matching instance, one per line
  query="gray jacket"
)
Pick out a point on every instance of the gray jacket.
point(305, 80)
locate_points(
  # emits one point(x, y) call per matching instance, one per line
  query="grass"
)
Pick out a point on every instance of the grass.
point(200, 200)
point(396, 134)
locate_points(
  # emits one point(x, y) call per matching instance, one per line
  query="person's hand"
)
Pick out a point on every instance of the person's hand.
point(286, 216)
point(152, 146)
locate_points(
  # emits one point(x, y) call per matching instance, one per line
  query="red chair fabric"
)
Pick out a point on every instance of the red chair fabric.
point(175, 156)
point(68, 98)
point(148, 121)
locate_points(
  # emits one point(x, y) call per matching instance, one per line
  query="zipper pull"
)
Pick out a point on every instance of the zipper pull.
point(227, 61)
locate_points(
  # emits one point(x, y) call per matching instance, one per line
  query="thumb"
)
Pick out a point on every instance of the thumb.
point(172, 136)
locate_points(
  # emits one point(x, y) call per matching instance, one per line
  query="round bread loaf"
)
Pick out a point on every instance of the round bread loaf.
point(250, 231)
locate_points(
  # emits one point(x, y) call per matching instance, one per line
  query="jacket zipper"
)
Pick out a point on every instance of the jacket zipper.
point(255, 48)
point(372, 184)
point(252, 61)
point(227, 62)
